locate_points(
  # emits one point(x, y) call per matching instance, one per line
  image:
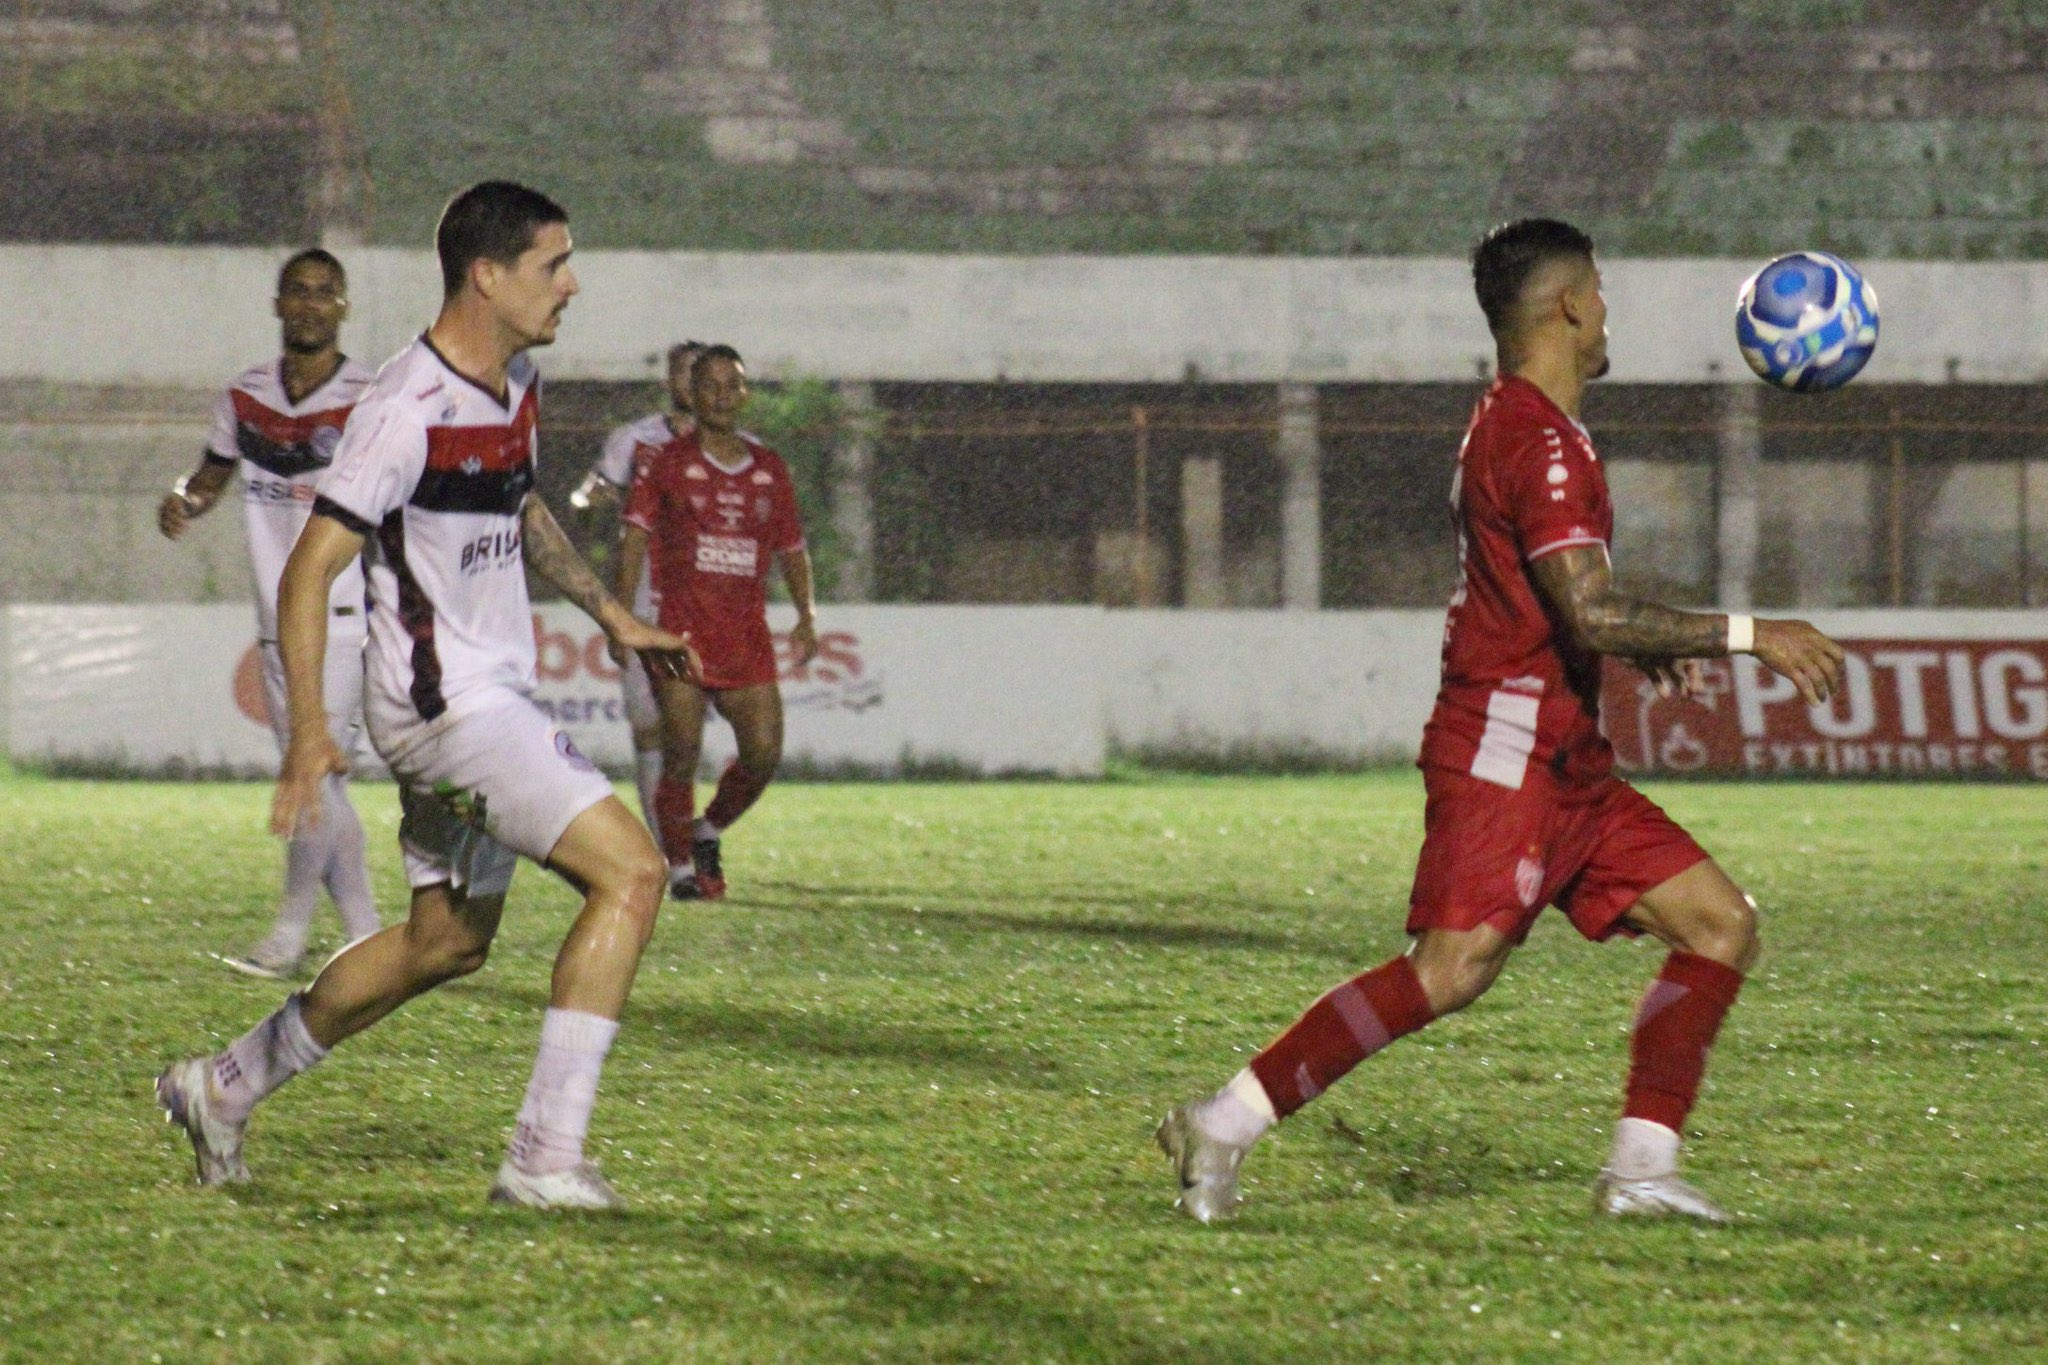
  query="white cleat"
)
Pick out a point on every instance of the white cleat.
point(1661, 1196)
point(257, 963)
point(1207, 1168)
point(185, 1090)
point(579, 1187)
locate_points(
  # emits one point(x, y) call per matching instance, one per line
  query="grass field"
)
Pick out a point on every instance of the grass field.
point(893, 1100)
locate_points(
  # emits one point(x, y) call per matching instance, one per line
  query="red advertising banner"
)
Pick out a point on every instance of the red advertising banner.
point(1907, 708)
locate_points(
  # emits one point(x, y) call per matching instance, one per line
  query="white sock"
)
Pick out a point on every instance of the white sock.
point(263, 1059)
point(559, 1098)
point(1643, 1150)
point(1239, 1113)
point(647, 776)
point(348, 872)
point(704, 829)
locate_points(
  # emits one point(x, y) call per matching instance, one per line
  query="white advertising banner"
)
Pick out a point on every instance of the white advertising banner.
point(990, 689)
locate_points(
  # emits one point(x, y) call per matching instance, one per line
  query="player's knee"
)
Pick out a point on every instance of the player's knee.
point(1451, 983)
point(1728, 934)
point(447, 954)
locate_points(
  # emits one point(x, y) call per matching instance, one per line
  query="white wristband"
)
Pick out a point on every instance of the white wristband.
point(1741, 633)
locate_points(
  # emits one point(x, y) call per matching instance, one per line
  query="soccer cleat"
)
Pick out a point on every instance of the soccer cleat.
point(1207, 1168)
point(1658, 1197)
point(256, 962)
point(710, 876)
point(579, 1187)
point(185, 1090)
point(682, 884)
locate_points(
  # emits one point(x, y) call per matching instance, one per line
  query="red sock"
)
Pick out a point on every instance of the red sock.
point(1675, 1026)
point(675, 810)
point(737, 790)
point(1339, 1031)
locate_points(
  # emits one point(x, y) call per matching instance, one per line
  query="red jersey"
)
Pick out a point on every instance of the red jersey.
point(711, 533)
point(1515, 688)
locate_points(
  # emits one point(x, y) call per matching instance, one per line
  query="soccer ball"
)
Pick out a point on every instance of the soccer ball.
point(1806, 321)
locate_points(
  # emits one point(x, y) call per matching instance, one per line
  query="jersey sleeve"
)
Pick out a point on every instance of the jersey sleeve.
point(786, 528)
point(382, 455)
point(1551, 493)
point(615, 465)
point(222, 443)
point(643, 497)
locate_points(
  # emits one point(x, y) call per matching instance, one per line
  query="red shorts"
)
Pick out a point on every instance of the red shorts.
point(1497, 857)
point(735, 653)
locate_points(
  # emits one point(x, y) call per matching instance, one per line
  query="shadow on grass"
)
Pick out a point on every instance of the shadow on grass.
point(898, 1295)
point(780, 1033)
point(873, 901)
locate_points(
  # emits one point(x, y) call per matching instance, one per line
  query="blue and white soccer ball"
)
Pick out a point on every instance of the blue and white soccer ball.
point(1807, 321)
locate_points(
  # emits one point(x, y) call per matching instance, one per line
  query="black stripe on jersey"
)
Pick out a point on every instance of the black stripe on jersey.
point(416, 614)
point(285, 461)
point(215, 457)
point(455, 490)
point(324, 506)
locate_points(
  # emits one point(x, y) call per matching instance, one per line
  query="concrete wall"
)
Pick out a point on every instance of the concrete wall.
point(193, 316)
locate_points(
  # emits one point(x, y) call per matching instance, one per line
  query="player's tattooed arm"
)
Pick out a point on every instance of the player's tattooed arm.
point(1578, 585)
point(550, 554)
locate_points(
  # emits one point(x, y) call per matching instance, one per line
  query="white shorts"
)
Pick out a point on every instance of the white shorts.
point(491, 778)
point(341, 684)
point(642, 712)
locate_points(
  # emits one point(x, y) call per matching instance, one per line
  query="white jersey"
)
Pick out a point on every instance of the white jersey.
point(615, 466)
point(434, 470)
point(282, 448)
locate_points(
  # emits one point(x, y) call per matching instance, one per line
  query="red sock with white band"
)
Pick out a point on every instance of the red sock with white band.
point(1675, 1028)
point(1339, 1031)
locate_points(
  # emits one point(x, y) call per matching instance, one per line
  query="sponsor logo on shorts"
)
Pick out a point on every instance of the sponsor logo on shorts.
point(1528, 879)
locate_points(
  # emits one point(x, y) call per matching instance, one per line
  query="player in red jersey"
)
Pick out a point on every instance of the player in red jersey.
point(1524, 809)
point(707, 512)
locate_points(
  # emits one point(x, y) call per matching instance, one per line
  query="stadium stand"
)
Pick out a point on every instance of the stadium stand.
point(1673, 127)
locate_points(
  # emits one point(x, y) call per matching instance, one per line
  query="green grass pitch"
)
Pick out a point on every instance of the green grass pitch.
point(894, 1099)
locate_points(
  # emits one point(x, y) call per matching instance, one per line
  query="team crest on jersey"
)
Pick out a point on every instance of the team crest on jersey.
point(324, 442)
point(1528, 879)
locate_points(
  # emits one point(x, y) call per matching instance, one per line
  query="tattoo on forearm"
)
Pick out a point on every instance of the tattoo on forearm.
point(550, 554)
point(1621, 625)
point(1580, 587)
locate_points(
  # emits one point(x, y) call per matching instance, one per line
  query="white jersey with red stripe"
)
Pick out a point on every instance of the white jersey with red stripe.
point(281, 450)
point(1516, 689)
point(624, 448)
point(433, 471)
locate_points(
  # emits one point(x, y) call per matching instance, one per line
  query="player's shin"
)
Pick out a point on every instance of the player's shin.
point(1675, 1028)
point(739, 787)
point(647, 777)
point(348, 873)
point(675, 816)
point(1339, 1031)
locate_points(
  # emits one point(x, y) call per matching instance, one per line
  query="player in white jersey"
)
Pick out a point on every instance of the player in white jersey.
point(605, 486)
point(278, 425)
point(435, 478)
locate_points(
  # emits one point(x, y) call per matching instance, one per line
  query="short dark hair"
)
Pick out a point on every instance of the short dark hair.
point(319, 256)
point(1509, 255)
point(718, 351)
point(495, 220)
point(691, 349)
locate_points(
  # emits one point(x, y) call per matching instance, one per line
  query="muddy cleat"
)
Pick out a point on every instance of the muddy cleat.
point(682, 885)
point(256, 962)
point(1659, 1197)
point(710, 876)
point(185, 1091)
point(579, 1187)
point(1207, 1168)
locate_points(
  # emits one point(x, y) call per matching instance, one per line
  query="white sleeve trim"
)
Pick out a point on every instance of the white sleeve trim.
point(1567, 543)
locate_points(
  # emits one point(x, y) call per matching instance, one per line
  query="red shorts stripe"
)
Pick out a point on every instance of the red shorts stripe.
point(1498, 857)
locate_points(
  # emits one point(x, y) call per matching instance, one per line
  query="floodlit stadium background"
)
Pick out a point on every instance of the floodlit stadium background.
point(1152, 306)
